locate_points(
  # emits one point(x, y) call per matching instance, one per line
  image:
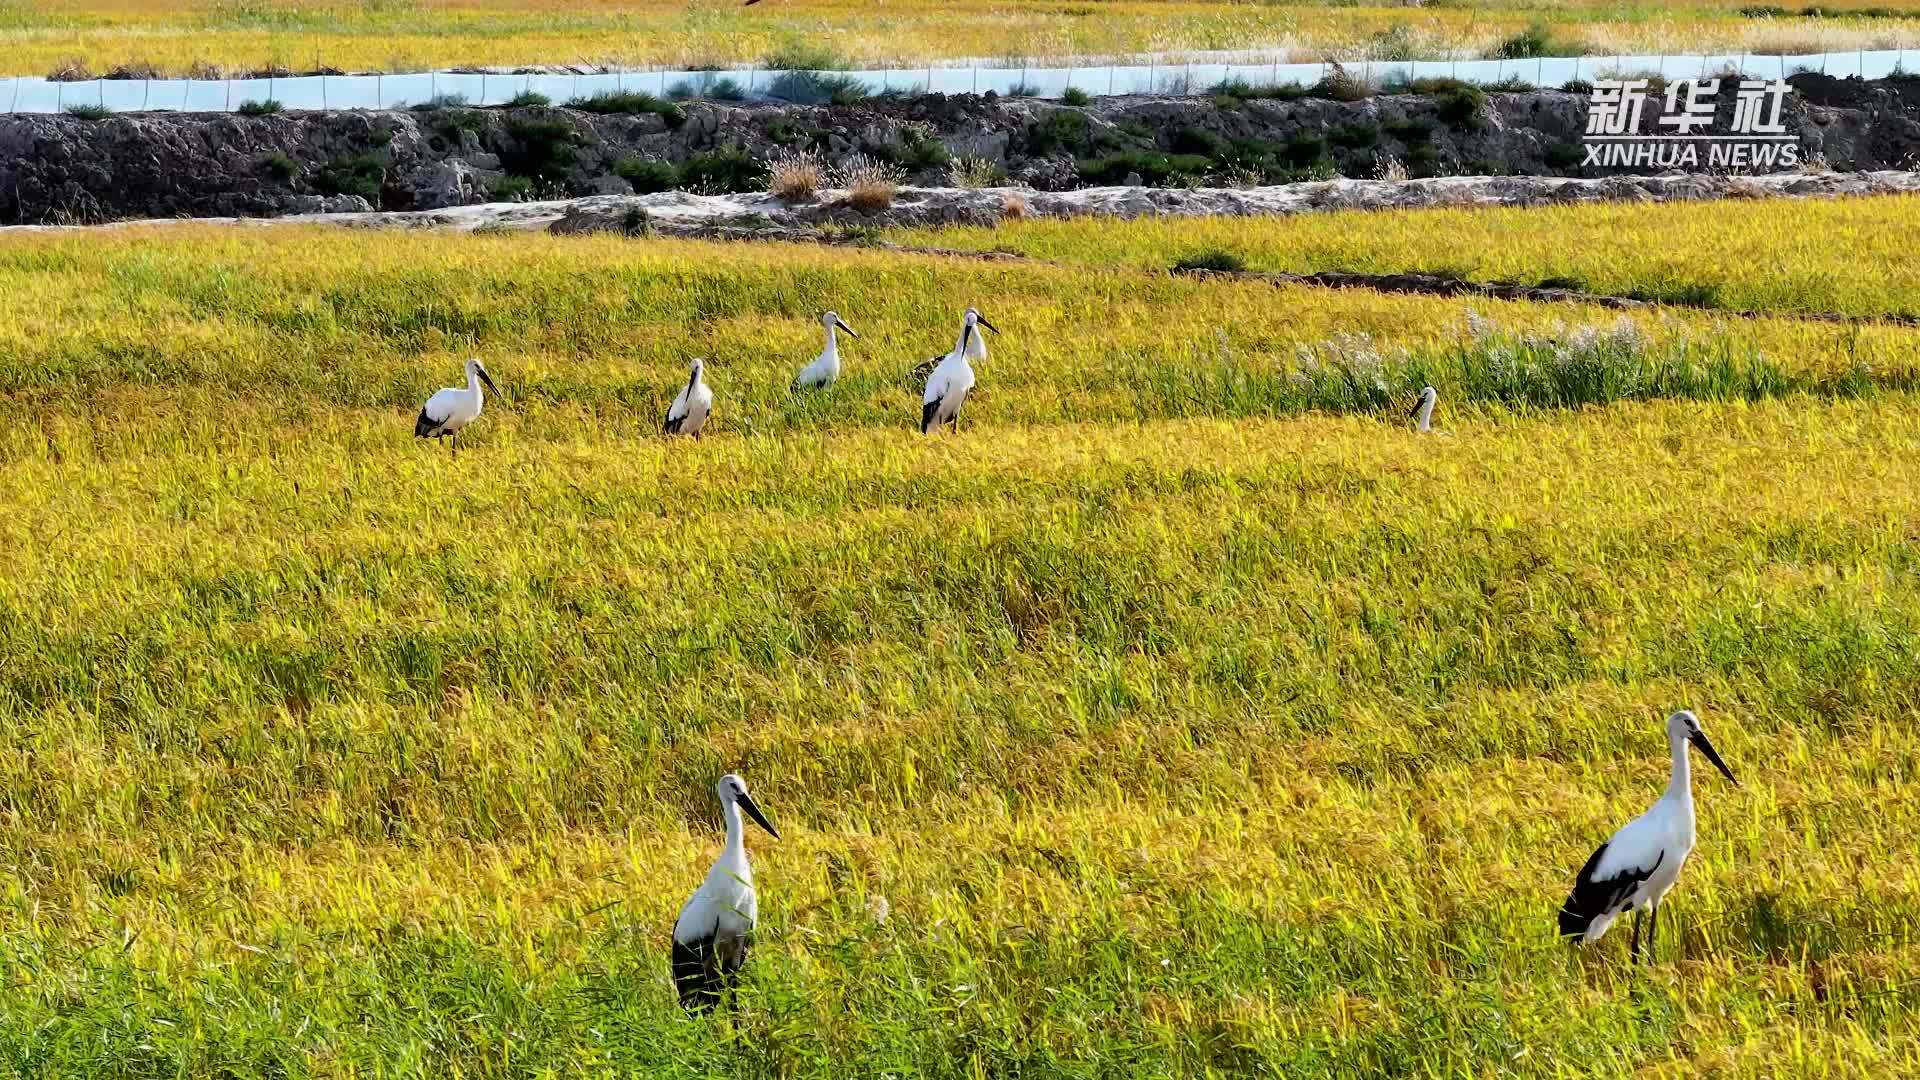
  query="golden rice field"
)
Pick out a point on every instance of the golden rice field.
point(1184, 714)
point(1830, 255)
point(37, 36)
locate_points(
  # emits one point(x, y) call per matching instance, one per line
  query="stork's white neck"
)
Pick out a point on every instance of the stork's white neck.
point(1680, 786)
point(473, 384)
point(736, 849)
point(833, 341)
point(1426, 414)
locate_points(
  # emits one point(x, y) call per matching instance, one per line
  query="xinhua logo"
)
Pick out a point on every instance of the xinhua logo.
point(1758, 138)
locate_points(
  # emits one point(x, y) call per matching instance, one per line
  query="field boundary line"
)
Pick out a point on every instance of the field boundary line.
point(1403, 282)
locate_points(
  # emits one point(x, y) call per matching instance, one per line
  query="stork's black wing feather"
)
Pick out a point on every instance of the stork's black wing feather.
point(424, 426)
point(704, 970)
point(1593, 897)
point(673, 424)
point(696, 978)
point(927, 413)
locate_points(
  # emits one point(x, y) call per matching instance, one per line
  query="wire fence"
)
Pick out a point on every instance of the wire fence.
point(39, 95)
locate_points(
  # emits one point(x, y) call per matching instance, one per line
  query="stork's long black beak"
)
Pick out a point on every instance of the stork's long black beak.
point(1415, 411)
point(1699, 739)
point(845, 327)
point(753, 811)
point(488, 379)
point(982, 320)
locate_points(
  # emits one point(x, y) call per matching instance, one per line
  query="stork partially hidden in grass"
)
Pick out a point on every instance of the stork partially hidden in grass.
point(825, 367)
point(1634, 870)
point(715, 928)
point(952, 377)
point(1422, 412)
point(691, 407)
point(452, 408)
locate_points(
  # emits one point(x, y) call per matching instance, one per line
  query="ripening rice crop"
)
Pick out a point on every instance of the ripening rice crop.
point(1841, 255)
point(397, 35)
point(1166, 719)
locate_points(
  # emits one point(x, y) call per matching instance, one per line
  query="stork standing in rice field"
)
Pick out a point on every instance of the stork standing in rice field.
point(1422, 411)
point(825, 367)
point(952, 377)
point(1634, 870)
point(715, 928)
point(452, 408)
point(691, 407)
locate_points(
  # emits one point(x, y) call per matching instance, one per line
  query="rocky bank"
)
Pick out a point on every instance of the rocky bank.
point(70, 169)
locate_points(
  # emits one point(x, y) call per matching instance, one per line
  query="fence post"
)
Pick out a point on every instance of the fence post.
point(146, 94)
point(15, 103)
point(379, 91)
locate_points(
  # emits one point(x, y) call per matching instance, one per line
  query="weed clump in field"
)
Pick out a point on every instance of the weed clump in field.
point(1057, 131)
point(723, 171)
point(1073, 95)
point(542, 148)
point(795, 177)
point(975, 172)
point(804, 56)
point(1342, 85)
point(268, 107)
point(871, 185)
point(817, 88)
point(1151, 166)
point(529, 99)
point(71, 70)
point(630, 103)
point(647, 176)
point(1233, 93)
point(1460, 107)
point(721, 89)
point(279, 165)
point(1213, 261)
point(1537, 40)
point(89, 112)
point(359, 174)
point(510, 189)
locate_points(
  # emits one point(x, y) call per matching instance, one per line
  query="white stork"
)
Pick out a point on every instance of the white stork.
point(825, 367)
point(452, 408)
point(952, 377)
point(691, 407)
point(1634, 870)
point(1423, 409)
point(715, 928)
